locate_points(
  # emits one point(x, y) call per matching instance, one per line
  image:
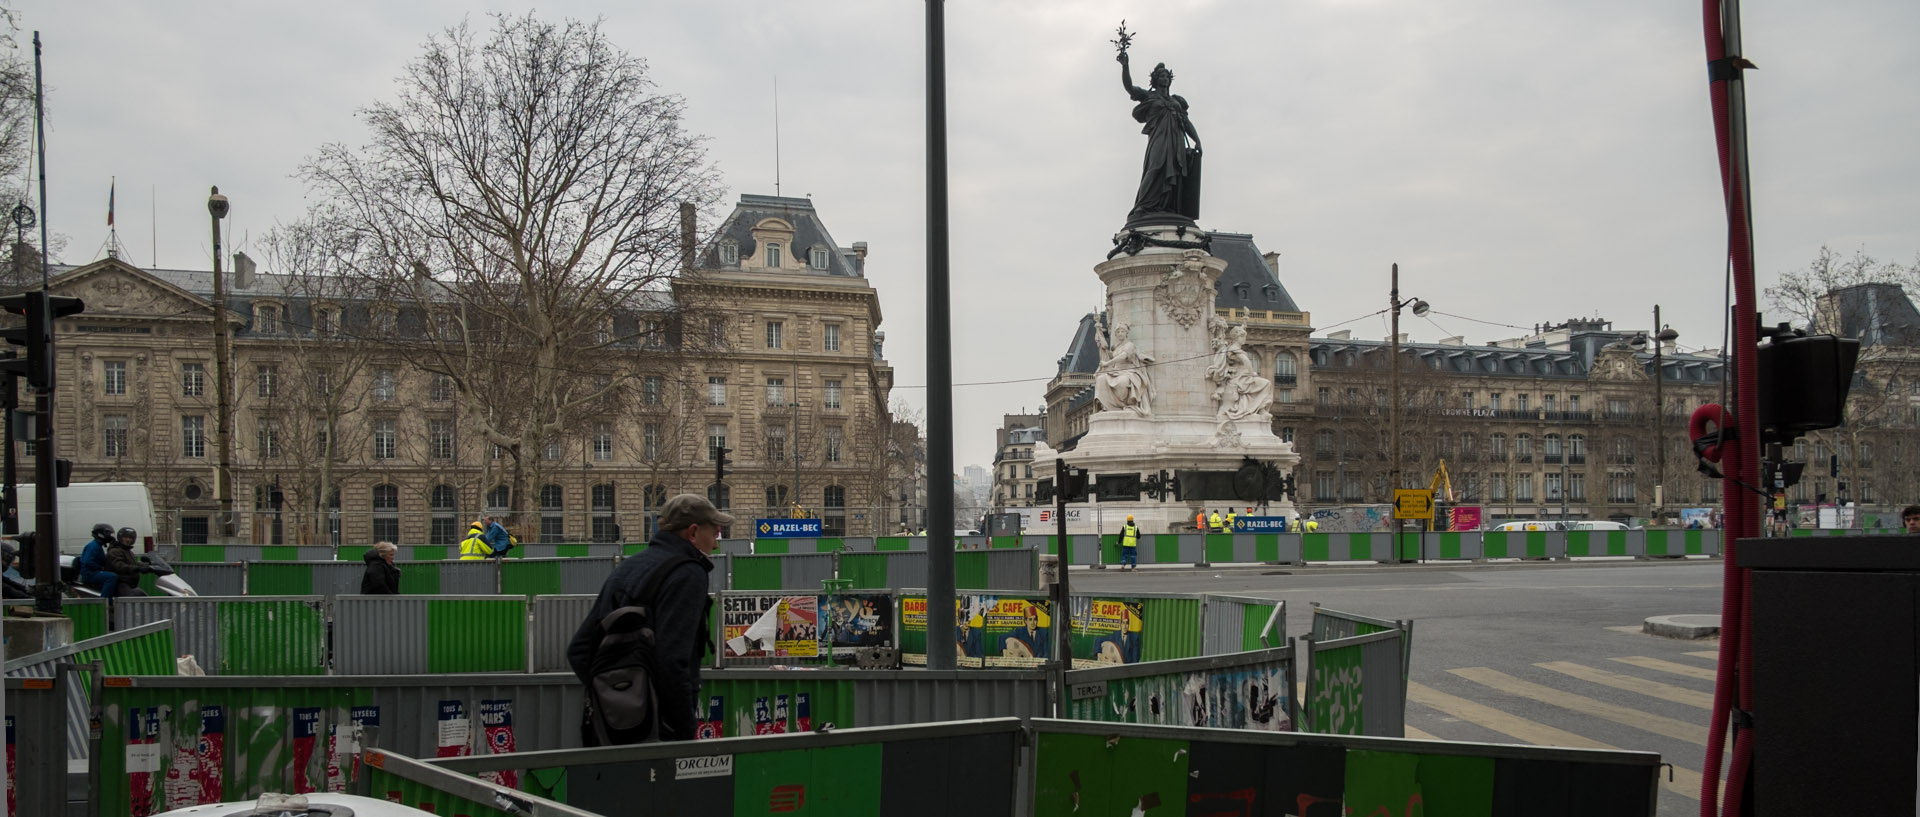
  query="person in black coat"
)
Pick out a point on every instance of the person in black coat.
point(383, 576)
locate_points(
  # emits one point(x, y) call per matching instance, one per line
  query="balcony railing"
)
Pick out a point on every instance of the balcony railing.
point(1576, 459)
point(1285, 379)
point(1620, 459)
point(1551, 459)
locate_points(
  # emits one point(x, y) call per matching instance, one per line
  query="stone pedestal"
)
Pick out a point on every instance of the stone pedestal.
point(1165, 296)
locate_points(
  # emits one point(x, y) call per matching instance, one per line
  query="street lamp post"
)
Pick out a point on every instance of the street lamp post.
point(1420, 309)
point(223, 390)
point(1662, 336)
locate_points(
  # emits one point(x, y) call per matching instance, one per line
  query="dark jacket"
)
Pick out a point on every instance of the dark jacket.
point(381, 579)
point(679, 619)
point(120, 559)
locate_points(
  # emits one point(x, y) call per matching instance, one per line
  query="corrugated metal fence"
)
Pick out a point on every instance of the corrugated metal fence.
point(1357, 685)
point(1232, 624)
point(1249, 690)
point(402, 635)
point(142, 650)
point(245, 635)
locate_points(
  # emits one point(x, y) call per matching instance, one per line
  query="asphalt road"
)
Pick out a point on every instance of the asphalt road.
point(1518, 653)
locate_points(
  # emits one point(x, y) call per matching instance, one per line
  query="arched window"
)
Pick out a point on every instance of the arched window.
point(553, 520)
point(386, 513)
point(1553, 448)
point(499, 499)
point(1497, 446)
point(1469, 446)
point(1523, 449)
point(1576, 448)
point(444, 527)
point(1284, 373)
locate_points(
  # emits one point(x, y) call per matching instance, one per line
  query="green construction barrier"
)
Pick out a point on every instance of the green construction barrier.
point(970, 570)
point(1536, 544)
point(1166, 549)
point(279, 579)
point(755, 573)
point(865, 569)
point(203, 553)
point(1360, 547)
point(89, 620)
point(1316, 547)
point(477, 635)
point(829, 545)
point(421, 581)
point(632, 548)
point(1170, 628)
point(432, 553)
point(271, 637)
point(1449, 546)
point(893, 543)
point(280, 553)
point(530, 578)
point(1266, 547)
point(1493, 544)
point(737, 703)
point(1219, 548)
point(770, 547)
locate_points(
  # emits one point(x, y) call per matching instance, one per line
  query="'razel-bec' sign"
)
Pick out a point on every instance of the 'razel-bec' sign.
point(1260, 524)
point(786, 528)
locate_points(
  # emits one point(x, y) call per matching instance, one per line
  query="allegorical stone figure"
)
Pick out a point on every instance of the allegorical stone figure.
point(1170, 173)
point(1122, 384)
point(1238, 391)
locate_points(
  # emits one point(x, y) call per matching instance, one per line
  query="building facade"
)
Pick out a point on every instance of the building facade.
point(1013, 480)
point(788, 373)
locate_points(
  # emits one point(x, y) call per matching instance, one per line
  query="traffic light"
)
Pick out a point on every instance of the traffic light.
point(720, 463)
point(41, 310)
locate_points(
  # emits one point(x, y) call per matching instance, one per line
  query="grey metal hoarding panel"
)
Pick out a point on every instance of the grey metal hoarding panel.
point(805, 571)
point(1381, 672)
point(213, 578)
point(380, 635)
point(1243, 548)
point(903, 698)
point(1223, 622)
point(1012, 568)
point(546, 711)
point(196, 624)
point(476, 577)
point(1710, 541)
point(332, 579)
point(1328, 625)
point(965, 542)
point(41, 747)
point(1290, 548)
point(586, 575)
point(244, 553)
point(1193, 548)
point(1556, 543)
point(1637, 542)
point(1086, 548)
point(736, 547)
point(858, 544)
point(555, 619)
point(717, 578)
point(907, 568)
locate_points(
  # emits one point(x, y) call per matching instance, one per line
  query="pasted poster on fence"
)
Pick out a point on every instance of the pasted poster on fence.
point(143, 758)
point(1106, 631)
point(454, 735)
point(306, 733)
point(857, 621)
point(770, 624)
point(969, 643)
point(1016, 631)
point(1463, 518)
point(496, 723)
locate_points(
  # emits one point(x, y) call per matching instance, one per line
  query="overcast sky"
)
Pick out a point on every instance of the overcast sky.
point(1522, 161)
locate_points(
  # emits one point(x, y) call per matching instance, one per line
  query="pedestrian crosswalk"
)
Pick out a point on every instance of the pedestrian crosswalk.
point(1658, 703)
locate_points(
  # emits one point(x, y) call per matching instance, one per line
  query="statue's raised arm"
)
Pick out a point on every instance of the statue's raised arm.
point(1126, 78)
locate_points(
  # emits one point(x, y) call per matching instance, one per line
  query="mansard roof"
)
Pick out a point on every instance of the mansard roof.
point(1248, 283)
point(1503, 361)
point(1874, 314)
point(808, 232)
point(1083, 353)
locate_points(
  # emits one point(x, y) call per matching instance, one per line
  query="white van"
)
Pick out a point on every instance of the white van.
point(83, 504)
point(1598, 524)
point(1532, 524)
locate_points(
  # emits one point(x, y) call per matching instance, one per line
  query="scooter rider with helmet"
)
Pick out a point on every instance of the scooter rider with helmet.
point(124, 564)
point(94, 568)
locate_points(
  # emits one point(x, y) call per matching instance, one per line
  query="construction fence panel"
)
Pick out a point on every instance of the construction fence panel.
point(907, 698)
point(881, 770)
point(1017, 569)
point(41, 737)
point(1357, 685)
point(410, 635)
point(240, 635)
point(1242, 690)
point(586, 550)
point(232, 738)
point(555, 620)
point(145, 649)
point(1233, 624)
point(213, 578)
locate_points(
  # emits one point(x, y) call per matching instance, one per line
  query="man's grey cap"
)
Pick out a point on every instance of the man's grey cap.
point(689, 509)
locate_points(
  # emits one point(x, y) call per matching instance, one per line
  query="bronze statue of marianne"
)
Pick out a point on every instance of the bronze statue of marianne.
point(1170, 175)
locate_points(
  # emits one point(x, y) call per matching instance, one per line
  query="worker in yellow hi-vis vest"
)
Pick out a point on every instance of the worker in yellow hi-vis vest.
point(1216, 524)
point(1230, 518)
point(1129, 545)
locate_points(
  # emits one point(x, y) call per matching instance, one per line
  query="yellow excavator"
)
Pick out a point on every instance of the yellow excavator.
point(1442, 485)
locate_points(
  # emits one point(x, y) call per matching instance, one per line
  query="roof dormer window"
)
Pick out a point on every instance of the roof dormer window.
point(817, 258)
point(773, 255)
point(266, 319)
point(729, 253)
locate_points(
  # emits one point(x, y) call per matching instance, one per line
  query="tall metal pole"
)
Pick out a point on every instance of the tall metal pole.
point(223, 389)
point(1393, 406)
point(46, 543)
point(940, 595)
point(1063, 593)
point(1659, 423)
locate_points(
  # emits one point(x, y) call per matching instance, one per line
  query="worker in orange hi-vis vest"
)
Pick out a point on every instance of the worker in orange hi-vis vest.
point(1200, 521)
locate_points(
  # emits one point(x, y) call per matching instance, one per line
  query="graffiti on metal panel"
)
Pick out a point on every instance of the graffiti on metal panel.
point(1238, 803)
point(496, 721)
point(1337, 692)
point(1252, 698)
point(787, 798)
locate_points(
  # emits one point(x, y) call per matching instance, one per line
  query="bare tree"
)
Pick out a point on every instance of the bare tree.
point(906, 482)
point(1798, 293)
point(523, 195)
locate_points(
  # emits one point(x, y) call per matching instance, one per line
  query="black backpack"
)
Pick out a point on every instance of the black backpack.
point(623, 705)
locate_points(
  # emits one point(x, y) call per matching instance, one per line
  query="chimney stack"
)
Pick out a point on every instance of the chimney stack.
point(243, 268)
point(1273, 262)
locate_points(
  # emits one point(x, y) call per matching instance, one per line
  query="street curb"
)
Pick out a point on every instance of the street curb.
point(1688, 627)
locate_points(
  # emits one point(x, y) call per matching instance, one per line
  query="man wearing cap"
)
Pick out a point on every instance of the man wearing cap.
point(1129, 545)
point(689, 532)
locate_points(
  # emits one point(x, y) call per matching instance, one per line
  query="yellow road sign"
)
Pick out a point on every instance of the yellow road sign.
point(1412, 503)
